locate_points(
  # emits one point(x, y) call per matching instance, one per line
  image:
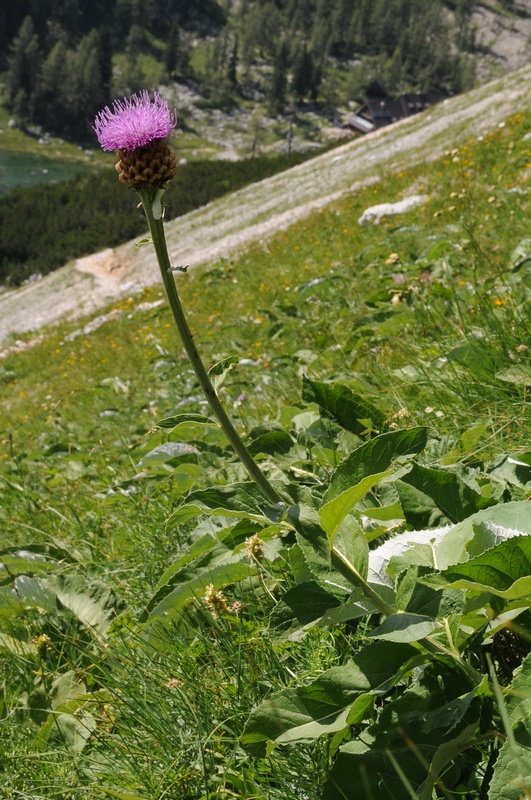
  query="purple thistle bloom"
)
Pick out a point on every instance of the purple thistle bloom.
point(134, 123)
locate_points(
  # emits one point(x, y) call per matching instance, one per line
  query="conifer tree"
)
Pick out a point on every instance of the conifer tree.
point(172, 51)
point(303, 73)
point(24, 67)
point(279, 80)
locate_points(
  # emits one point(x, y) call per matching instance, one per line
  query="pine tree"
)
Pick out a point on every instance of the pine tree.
point(303, 77)
point(171, 59)
point(49, 102)
point(24, 67)
point(232, 69)
point(279, 82)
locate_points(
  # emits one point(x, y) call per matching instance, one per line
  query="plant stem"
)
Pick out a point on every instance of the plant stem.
point(432, 646)
point(159, 241)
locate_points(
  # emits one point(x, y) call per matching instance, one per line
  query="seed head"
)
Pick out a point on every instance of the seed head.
point(254, 546)
point(215, 601)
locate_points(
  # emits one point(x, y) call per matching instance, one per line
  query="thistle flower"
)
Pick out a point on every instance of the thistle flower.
point(134, 123)
point(138, 128)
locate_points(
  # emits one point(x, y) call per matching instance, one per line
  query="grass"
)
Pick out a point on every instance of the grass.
point(426, 315)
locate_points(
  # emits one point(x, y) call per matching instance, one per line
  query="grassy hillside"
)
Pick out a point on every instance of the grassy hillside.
point(387, 361)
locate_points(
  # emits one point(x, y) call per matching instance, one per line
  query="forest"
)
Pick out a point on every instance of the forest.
point(60, 62)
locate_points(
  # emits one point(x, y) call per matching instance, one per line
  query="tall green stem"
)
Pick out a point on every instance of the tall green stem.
point(159, 241)
point(427, 642)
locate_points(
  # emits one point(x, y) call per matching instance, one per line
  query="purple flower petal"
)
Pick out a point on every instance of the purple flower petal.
point(134, 123)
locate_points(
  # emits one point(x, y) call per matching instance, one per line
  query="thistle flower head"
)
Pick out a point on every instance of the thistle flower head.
point(134, 123)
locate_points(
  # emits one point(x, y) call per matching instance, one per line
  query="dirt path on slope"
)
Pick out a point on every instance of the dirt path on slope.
point(226, 226)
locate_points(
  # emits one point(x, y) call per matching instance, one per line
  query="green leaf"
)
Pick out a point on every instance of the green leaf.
point(505, 571)
point(518, 696)
point(442, 548)
point(17, 647)
point(94, 604)
point(420, 511)
point(191, 557)
point(520, 255)
point(333, 513)
point(478, 357)
point(219, 371)
point(405, 752)
point(443, 757)
point(455, 498)
point(300, 606)
point(328, 704)
point(315, 547)
point(273, 442)
point(16, 562)
point(68, 732)
point(168, 452)
point(10, 605)
point(511, 779)
point(64, 689)
point(31, 593)
point(373, 457)
point(338, 402)
point(404, 627)
point(350, 540)
point(238, 499)
point(182, 419)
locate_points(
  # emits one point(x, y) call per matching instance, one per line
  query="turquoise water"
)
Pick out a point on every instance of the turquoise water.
point(17, 169)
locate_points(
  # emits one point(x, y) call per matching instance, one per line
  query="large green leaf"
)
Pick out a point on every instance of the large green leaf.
point(183, 419)
point(412, 743)
point(33, 594)
point(213, 547)
point(505, 571)
point(68, 731)
point(338, 402)
point(17, 647)
point(511, 779)
point(328, 704)
point(95, 604)
point(273, 442)
point(404, 627)
point(420, 511)
point(444, 548)
point(351, 542)
point(24, 562)
point(518, 696)
point(373, 457)
point(169, 451)
point(299, 608)
point(333, 513)
point(363, 772)
point(455, 498)
point(314, 545)
point(237, 500)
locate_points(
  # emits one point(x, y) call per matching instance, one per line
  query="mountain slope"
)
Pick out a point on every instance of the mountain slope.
point(225, 226)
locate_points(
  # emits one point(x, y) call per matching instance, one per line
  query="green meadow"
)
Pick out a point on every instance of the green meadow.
point(166, 634)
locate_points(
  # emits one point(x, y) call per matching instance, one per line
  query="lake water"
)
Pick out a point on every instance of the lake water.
point(17, 169)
